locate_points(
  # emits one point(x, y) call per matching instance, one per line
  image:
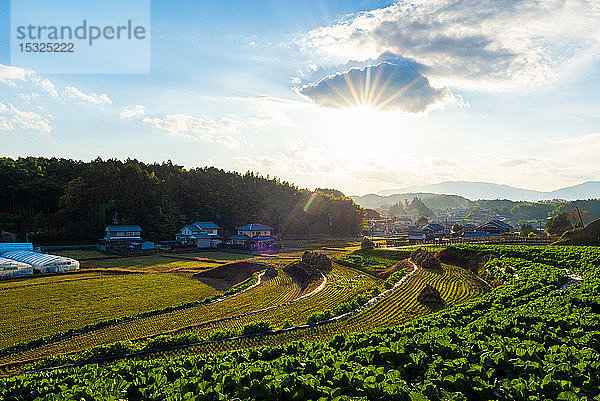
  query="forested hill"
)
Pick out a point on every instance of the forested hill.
point(70, 200)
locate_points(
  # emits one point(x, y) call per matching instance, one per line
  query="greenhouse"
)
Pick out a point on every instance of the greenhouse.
point(41, 262)
point(15, 246)
point(12, 268)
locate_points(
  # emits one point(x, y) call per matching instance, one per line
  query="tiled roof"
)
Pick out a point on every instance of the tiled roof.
point(239, 237)
point(123, 228)
point(206, 225)
point(254, 227)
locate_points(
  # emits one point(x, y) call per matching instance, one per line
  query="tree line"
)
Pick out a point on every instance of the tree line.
point(64, 200)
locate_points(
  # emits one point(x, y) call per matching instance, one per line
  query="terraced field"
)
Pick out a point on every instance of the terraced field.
point(343, 284)
point(48, 305)
point(455, 284)
point(277, 300)
point(268, 293)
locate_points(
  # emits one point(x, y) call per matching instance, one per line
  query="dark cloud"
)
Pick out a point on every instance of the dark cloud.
point(384, 86)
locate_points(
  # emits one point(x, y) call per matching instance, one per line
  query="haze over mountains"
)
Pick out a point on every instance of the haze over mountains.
point(485, 190)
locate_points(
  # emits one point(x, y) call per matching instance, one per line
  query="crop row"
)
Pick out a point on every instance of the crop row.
point(455, 284)
point(268, 293)
point(343, 284)
point(31, 312)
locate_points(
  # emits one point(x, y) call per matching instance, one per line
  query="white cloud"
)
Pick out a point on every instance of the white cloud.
point(27, 79)
point(5, 125)
point(47, 85)
point(207, 130)
point(12, 118)
point(384, 86)
point(74, 93)
point(9, 74)
point(470, 43)
point(296, 157)
point(132, 112)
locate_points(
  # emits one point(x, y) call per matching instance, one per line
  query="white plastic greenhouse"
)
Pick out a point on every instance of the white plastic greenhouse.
point(41, 262)
point(12, 268)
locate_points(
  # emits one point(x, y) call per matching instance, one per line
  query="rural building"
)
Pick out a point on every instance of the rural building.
point(417, 236)
point(434, 230)
point(253, 230)
point(202, 234)
point(494, 227)
point(12, 268)
point(253, 236)
point(123, 239)
point(41, 262)
point(123, 234)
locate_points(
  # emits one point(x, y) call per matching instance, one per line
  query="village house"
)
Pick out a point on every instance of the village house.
point(434, 230)
point(132, 233)
point(201, 234)
point(494, 227)
point(124, 238)
point(253, 236)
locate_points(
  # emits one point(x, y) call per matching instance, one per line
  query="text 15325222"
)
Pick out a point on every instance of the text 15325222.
point(49, 47)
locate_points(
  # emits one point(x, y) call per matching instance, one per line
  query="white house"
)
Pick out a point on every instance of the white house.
point(203, 234)
point(252, 230)
point(123, 234)
point(254, 236)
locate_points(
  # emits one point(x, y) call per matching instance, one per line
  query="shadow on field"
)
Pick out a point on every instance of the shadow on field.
point(223, 277)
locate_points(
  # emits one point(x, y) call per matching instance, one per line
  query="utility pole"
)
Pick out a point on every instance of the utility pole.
point(580, 218)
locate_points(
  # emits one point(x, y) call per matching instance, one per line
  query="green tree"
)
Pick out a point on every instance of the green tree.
point(526, 229)
point(558, 224)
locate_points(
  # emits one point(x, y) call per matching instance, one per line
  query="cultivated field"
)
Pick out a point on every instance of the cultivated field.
point(164, 301)
point(48, 305)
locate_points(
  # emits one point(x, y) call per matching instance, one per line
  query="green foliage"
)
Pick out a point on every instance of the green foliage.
point(221, 335)
point(526, 229)
point(71, 200)
point(320, 316)
point(374, 259)
point(394, 278)
point(256, 328)
point(558, 224)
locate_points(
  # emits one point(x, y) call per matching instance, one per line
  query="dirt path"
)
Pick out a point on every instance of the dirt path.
point(574, 278)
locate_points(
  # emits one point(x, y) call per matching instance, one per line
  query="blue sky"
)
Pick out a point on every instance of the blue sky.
point(500, 91)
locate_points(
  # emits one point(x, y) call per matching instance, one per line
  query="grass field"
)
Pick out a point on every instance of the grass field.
point(79, 254)
point(316, 243)
point(59, 303)
point(212, 255)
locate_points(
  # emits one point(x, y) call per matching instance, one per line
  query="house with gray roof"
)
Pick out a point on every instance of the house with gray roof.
point(202, 234)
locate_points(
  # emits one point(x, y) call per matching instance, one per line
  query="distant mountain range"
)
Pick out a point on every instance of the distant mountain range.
point(486, 190)
point(431, 200)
